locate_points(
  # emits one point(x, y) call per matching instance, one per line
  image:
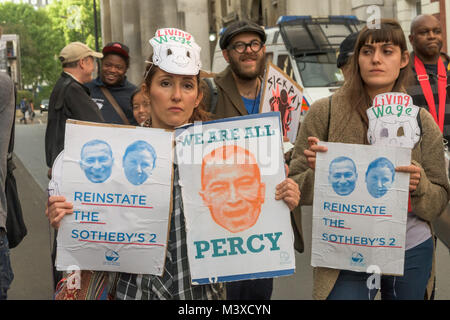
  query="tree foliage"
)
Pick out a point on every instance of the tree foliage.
point(44, 32)
point(37, 41)
point(74, 19)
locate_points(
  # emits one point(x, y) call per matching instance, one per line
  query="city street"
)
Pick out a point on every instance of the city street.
point(31, 259)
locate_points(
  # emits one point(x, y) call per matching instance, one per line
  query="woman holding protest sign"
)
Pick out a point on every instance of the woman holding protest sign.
point(379, 65)
point(172, 86)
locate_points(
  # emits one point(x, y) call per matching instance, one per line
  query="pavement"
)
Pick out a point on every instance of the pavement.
point(31, 260)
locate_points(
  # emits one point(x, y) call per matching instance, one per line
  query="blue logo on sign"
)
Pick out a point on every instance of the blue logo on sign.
point(357, 259)
point(111, 256)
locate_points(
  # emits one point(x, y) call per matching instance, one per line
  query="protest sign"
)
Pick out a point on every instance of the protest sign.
point(119, 180)
point(393, 121)
point(360, 208)
point(235, 228)
point(282, 94)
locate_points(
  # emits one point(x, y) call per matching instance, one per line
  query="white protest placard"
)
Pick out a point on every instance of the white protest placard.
point(283, 94)
point(235, 228)
point(360, 208)
point(393, 121)
point(119, 179)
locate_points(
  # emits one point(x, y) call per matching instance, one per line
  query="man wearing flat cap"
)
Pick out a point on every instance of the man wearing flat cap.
point(239, 85)
point(111, 90)
point(70, 99)
point(346, 49)
point(238, 93)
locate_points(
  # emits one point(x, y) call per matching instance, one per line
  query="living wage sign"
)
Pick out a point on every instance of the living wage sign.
point(235, 228)
point(360, 208)
point(119, 179)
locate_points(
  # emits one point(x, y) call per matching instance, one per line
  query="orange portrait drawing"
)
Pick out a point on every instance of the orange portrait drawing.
point(232, 187)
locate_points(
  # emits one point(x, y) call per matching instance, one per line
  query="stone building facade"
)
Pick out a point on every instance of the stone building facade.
point(134, 22)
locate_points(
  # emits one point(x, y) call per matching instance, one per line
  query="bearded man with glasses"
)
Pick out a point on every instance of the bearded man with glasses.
point(238, 87)
point(237, 92)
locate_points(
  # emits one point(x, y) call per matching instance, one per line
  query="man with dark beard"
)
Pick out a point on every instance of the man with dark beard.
point(111, 90)
point(238, 94)
point(239, 85)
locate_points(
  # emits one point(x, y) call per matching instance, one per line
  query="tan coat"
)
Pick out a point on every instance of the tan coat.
point(229, 100)
point(346, 126)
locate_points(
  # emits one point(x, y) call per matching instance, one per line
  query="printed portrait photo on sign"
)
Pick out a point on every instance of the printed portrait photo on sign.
point(231, 187)
point(121, 214)
point(379, 177)
point(96, 160)
point(342, 175)
point(138, 162)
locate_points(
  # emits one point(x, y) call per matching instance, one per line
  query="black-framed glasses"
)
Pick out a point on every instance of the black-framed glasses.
point(241, 47)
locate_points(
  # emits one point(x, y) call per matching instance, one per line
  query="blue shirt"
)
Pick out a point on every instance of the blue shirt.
point(252, 105)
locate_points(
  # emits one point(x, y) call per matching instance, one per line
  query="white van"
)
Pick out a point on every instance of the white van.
point(305, 48)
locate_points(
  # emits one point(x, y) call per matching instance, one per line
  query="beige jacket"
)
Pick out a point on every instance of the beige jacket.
point(346, 126)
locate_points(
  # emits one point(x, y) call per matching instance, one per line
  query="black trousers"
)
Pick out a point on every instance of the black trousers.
point(258, 289)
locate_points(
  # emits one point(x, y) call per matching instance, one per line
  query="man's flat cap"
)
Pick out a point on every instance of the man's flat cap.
point(239, 27)
point(346, 49)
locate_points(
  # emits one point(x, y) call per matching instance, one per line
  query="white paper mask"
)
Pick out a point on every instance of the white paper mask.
point(393, 121)
point(175, 51)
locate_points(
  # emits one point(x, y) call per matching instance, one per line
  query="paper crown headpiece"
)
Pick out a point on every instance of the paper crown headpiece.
point(175, 51)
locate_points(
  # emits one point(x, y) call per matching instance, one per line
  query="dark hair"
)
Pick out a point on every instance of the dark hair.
point(135, 92)
point(199, 113)
point(389, 31)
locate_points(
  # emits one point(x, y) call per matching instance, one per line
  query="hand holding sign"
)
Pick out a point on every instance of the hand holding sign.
point(414, 178)
point(310, 153)
point(57, 208)
point(289, 192)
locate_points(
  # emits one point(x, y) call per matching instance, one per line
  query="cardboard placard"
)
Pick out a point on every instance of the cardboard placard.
point(235, 228)
point(119, 179)
point(283, 94)
point(360, 208)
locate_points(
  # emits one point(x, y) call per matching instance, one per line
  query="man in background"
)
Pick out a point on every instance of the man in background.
point(111, 90)
point(70, 99)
